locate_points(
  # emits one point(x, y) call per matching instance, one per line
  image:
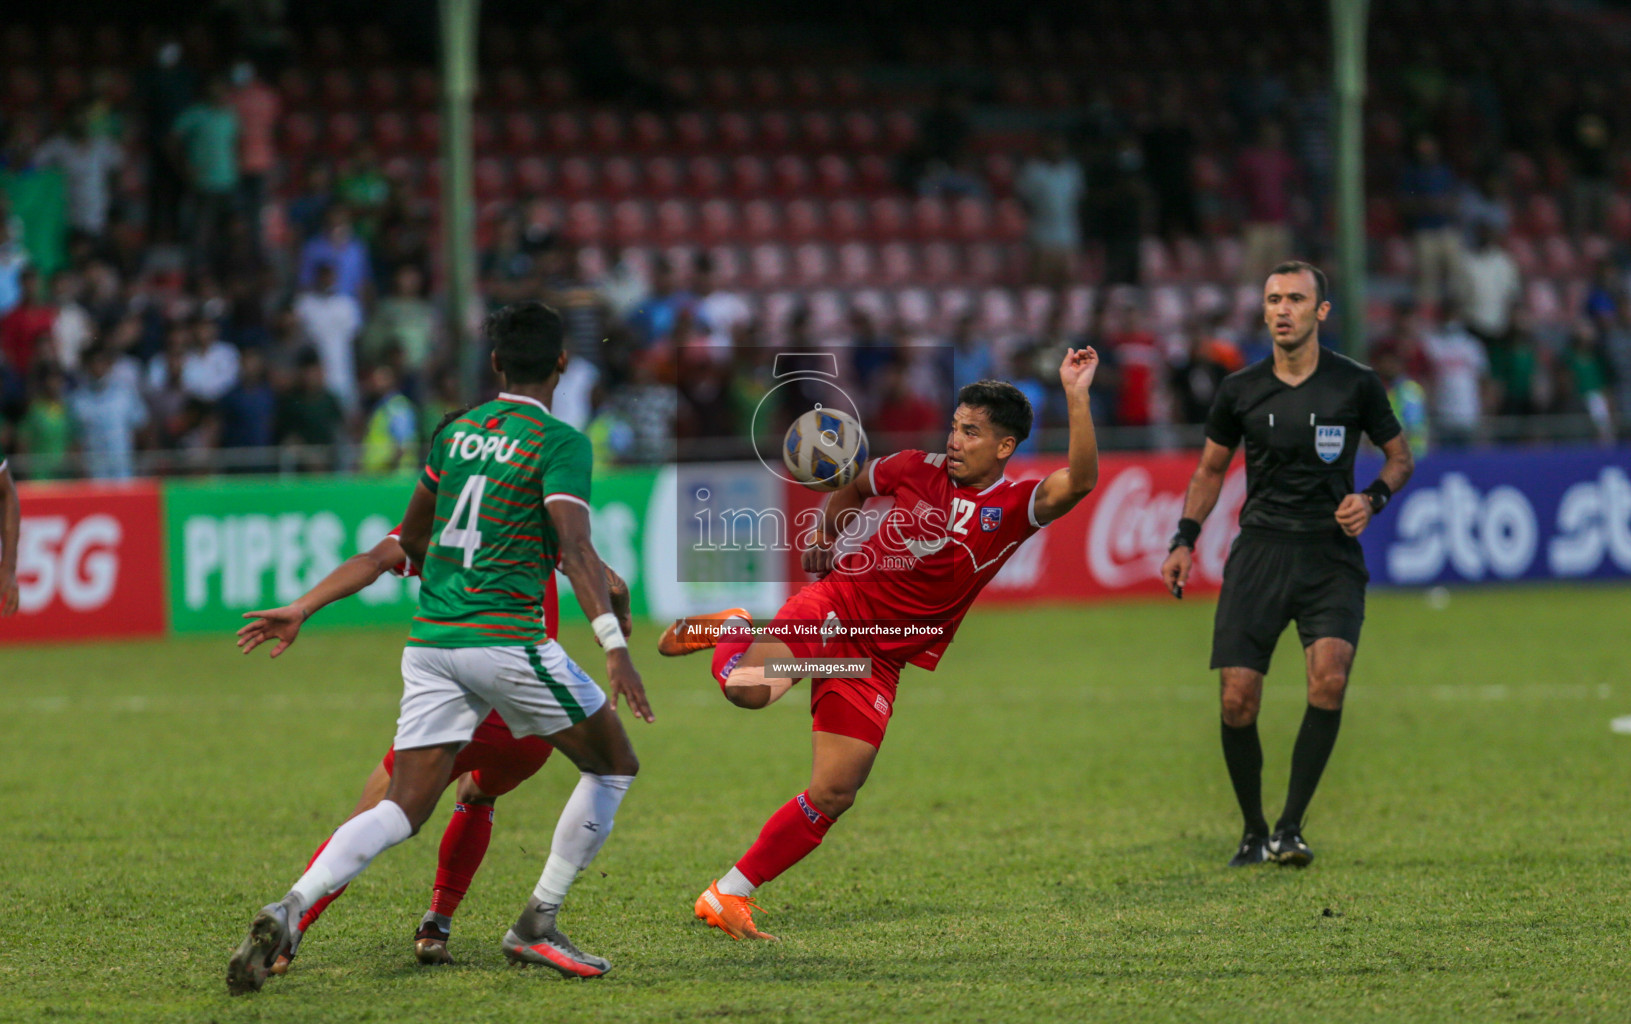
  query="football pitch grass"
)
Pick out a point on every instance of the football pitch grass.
point(1044, 836)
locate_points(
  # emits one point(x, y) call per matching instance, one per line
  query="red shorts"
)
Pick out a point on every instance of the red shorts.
point(499, 760)
point(859, 708)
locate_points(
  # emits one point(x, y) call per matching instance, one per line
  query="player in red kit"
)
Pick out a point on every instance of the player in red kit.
point(492, 764)
point(895, 600)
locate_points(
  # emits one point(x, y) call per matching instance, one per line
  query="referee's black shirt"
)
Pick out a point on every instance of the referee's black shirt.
point(1300, 441)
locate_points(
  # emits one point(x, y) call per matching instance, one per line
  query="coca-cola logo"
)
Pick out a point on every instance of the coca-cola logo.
point(1133, 524)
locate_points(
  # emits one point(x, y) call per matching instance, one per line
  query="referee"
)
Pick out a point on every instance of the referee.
point(1297, 556)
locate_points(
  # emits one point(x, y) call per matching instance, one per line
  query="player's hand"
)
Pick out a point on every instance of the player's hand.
point(624, 681)
point(8, 593)
point(1078, 368)
point(1176, 569)
point(1353, 515)
point(817, 558)
point(280, 624)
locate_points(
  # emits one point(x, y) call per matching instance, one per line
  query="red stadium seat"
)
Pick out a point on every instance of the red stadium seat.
point(520, 132)
point(727, 260)
point(734, 130)
point(382, 90)
point(676, 221)
point(723, 88)
point(812, 265)
point(648, 132)
point(819, 133)
point(939, 263)
point(483, 132)
point(833, 175)
point(1524, 255)
point(719, 221)
point(985, 263)
point(563, 131)
point(874, 175)
point(765, 87)
point(1155, 262)
point(805, 220)
point(888, 218)
point(999, 173)
point(336, 89)
point(929, 219)
point(427, 132)
point(575, 176)
point(691, 131)
point(1543, 216)
point(534, 175)
point(585, 222)
point(899, 130)
point(791, 174)
point(1009, 222)
point(861, 131)
point(971, 219)
point(768, 265)
point(749, 176)
point(705, 176)
point(846, 220)
point(896, 263)
point(1617, 221)
point(512, 87)
point(389, 132)
point(342, 133)
point(775, 130)
point(663, 176)
point(619, 176)
point(807, 87)
point(855, 263)
point(848, 87)
point(492, 178)
point(1559, 257)
point(606, 130)
point(914, 308)
point(760, 220)
point(683, 83)
point(631, 222)
point(299, 133)
point(424, 87)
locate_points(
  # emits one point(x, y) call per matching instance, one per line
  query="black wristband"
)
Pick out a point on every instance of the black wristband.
point(1379, 494)
point(1189, 531)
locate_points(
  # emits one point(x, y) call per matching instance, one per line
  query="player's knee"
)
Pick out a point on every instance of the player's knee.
point(832, 800)
point(1239, 707)
point(751, 695)
point(1326, 689)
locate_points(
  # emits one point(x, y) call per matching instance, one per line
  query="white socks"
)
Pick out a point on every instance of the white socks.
point(735, 883)
point(585, 822)
point(350, 849)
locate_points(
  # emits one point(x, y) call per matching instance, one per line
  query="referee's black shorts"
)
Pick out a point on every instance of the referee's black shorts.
point(1273, 578)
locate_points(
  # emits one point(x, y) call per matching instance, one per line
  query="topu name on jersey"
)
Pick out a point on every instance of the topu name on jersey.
point(477, 446)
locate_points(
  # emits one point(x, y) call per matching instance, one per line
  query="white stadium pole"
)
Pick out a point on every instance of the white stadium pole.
point(459, 20)
point(1348, 19)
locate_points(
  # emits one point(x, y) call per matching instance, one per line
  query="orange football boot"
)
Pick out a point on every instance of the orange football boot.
point(732, 915)
point(697, 633)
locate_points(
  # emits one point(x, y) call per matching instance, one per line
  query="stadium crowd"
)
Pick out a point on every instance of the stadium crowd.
point(213, 305)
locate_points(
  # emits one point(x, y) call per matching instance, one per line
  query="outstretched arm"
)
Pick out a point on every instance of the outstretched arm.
point(588, 575)
point(837, 512)
point(11, 518)
point(1059, 492)
point(349, 577)
point(1199, 500)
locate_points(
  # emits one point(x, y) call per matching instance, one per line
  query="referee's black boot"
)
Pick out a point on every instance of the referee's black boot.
point(1287, 847)
point(1254, 849)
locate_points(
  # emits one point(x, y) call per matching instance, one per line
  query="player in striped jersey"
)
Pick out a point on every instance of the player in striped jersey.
point(494, 763)
point(504, 497)
point(11, 518)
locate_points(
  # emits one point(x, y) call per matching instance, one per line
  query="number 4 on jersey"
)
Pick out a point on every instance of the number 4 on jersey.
point(467, 537)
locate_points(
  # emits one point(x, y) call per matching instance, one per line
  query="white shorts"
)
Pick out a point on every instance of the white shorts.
point(447, 691)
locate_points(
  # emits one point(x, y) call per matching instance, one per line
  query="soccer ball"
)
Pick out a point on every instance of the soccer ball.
point(824, 449)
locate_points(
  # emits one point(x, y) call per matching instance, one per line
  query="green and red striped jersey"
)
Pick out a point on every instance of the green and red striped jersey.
point(492, 545)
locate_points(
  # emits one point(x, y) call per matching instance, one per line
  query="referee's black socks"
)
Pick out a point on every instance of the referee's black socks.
point(1243, 753)
point(1314, 742)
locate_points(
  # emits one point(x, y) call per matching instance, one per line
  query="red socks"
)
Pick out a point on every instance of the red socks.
point(464, 844)
point(310, 916)
point(726, 654)
point(787, 838)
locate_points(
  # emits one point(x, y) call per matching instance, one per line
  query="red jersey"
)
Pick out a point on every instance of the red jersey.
point(932, 554)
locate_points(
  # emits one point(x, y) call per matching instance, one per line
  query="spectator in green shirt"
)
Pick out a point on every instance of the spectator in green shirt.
point(405, 319)
point(205, 142)
point(1587, 372)
point(47, 431)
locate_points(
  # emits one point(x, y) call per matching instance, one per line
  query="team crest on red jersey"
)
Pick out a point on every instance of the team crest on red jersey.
point(990, 518)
